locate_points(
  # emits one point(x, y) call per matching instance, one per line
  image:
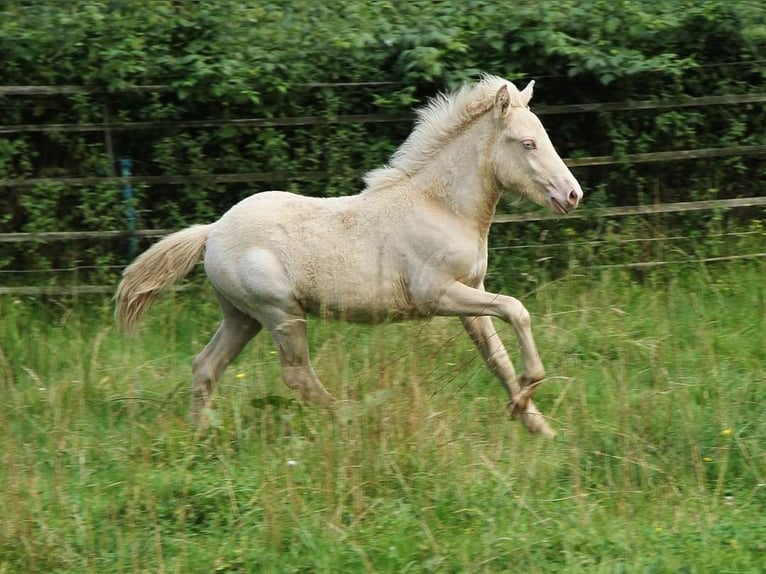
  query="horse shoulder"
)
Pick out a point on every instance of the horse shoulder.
point(438, 246)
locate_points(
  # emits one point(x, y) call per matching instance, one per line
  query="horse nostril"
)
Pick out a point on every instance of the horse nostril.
point(573, 198)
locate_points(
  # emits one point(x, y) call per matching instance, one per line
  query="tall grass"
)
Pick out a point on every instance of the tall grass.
point(657, 390)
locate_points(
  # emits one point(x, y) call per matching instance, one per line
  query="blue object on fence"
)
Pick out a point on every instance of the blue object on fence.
point(126, 170)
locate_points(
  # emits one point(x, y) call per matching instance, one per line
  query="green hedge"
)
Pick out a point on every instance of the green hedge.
point(233, 59)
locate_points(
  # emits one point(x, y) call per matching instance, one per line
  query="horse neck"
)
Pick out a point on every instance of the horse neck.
point(460, 177)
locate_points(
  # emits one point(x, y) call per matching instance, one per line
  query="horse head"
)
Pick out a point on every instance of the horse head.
point(523, 157)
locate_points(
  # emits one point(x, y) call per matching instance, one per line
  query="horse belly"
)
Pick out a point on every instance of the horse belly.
point(359, 299)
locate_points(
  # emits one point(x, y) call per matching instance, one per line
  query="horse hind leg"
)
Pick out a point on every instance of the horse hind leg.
point(297, 372)
point(234, 332)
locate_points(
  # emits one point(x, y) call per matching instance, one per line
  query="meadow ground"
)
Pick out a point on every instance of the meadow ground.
point(657, 389)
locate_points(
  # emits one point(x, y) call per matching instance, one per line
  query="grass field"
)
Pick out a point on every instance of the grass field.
point(658, 391)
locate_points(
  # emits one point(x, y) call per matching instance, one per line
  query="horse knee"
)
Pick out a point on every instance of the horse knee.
point(517, 314)
point(523, 319)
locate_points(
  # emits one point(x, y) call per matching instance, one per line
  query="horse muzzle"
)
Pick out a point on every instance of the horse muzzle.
point(563, 199)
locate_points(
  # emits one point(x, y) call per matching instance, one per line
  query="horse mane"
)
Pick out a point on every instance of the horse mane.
point(437, 123)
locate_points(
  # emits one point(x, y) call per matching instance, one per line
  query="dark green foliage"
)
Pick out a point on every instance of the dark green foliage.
point(231, 59)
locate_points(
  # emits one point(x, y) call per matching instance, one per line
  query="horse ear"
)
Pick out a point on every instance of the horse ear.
point(502, 101)
point(526, 94)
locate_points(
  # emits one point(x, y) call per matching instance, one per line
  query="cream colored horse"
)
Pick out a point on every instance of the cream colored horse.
point(412, 244)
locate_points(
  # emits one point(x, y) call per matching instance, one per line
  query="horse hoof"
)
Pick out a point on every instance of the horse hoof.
point(533, 380)
point(517, 406)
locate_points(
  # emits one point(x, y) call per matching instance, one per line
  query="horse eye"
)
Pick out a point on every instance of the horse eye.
point(529, 144)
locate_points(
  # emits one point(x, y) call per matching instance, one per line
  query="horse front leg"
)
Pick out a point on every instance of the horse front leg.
point(468, 302)
point(487, 341)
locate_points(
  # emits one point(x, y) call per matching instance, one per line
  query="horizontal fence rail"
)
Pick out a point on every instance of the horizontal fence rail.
point(316, 174)
point(191, 124)
point(71, 90)
point(611, 241)
point(638, 209)
point(54, 236)
point(634, 105)
point(650, 157)
point(59, 290)
point(165, 179)
point(52, 90)
point(650, 264)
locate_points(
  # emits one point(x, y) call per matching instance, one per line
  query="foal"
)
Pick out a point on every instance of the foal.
point(413, 244)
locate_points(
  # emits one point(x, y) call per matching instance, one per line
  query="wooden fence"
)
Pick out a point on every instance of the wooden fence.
point(107, 127)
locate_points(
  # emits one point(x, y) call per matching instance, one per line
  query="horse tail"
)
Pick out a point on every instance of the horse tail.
point(163, 264)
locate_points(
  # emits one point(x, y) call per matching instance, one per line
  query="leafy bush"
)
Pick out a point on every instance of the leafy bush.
point(285, 59)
